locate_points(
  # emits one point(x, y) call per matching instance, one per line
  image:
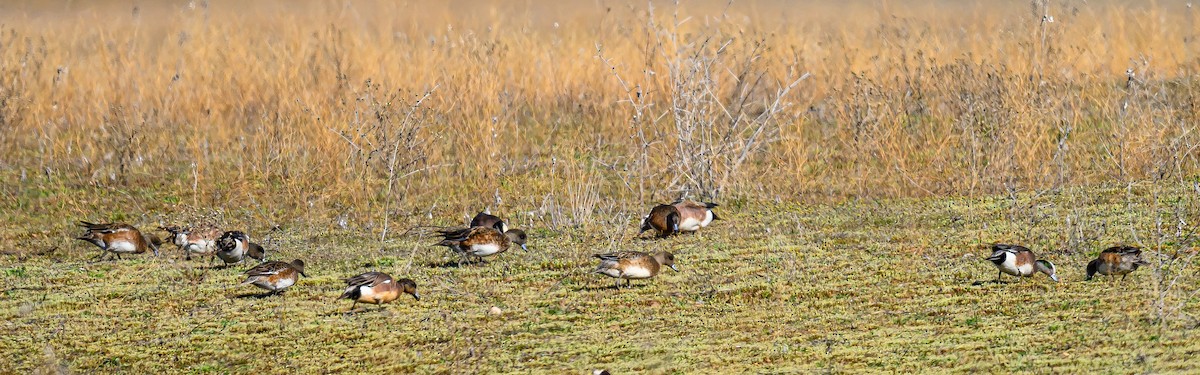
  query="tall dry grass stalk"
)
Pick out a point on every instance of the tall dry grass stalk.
point(330, 108)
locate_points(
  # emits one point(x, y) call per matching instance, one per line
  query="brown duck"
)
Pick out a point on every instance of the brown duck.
point(119, 238)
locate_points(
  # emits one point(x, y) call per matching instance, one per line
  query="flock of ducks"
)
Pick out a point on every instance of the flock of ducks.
point(488, 235)
point(1019, 261)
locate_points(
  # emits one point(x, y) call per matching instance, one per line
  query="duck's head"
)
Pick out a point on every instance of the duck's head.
point(299, 266)
point(518, 237)
point(410, 287)
point(666, 259)
point(1044, 266)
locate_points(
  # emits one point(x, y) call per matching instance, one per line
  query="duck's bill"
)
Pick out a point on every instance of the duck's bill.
point(417, 296)
point(674, 268)
point(1054, 277)
point(524, 248)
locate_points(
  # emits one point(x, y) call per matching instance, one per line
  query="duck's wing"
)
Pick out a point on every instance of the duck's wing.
point(1009, 248)
point(368, 279)
point(1123, 250)
point(456, 234)
point(620, 255)
point(106, 227)
point(268, 269)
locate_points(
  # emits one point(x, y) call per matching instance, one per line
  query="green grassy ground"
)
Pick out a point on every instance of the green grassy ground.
point(773, 288)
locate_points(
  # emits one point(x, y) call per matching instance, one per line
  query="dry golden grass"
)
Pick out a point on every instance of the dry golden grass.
point(572, 119)
point(224, 100)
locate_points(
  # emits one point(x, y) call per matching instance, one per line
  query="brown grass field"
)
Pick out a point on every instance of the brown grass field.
point(864, 154)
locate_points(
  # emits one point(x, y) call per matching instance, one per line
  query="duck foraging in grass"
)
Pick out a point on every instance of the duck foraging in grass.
point(119, 238)
point(275, 276)
point(663, 219)
point(377, 288)
point(630, 265)
point(200, 241)
point(1116, 260)
point(1019, 261)
point(235, 246)
point(480, 242)
point(694, 215)
point(485, 219)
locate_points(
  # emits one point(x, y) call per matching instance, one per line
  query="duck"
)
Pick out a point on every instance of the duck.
point(235, 246)
point(630, 265)
point(275, 276)
point(695, 215)
point(482, 241)
point(1116, 260)
point(664, 219)
point(377, 288)
point(485, 219)
point(1019, 261)
point(199, 241)
point(119, 238)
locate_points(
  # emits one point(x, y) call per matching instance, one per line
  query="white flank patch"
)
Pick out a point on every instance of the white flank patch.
point(365, 292)
point(689, 225)
point(1009, 266)
point(708, 216)
point(201, 246)
point(284, 283)
point(122, 247)
point(484, 250)
point(181, 239)
point(610, 272)
point(232, 256)
point(636, 272)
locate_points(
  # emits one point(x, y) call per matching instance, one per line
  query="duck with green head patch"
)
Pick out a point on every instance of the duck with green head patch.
point(1019, 261)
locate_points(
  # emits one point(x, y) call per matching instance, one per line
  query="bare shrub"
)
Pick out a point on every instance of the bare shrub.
point(722, 109)
point(386, 143)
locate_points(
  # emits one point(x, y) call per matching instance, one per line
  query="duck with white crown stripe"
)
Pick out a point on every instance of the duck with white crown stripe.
point(1019, 261)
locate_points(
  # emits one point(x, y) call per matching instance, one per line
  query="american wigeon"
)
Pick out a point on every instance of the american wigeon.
point(481, 241)
point(664, 219)
point(694, 215)
point(1019, 261)
point(1116, 260)
point(256, 251)
point(377, 288)
point(235, 246)
point(275, 276)
point(630, 265)
point(119, 238)
point(484, 219)
point(194, 240)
